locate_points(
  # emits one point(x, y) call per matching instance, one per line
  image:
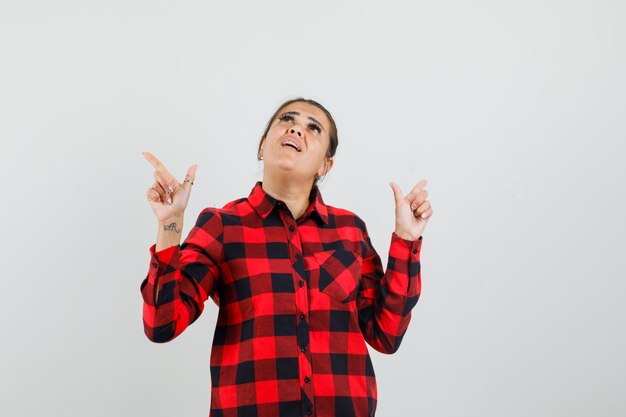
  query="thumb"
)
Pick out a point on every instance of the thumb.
point(191, 174)
point(397, 193)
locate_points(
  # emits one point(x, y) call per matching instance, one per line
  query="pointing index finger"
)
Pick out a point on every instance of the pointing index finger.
point(156, 163)
point(415, 191)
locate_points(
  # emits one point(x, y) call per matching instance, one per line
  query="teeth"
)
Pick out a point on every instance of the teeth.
point(289, 142)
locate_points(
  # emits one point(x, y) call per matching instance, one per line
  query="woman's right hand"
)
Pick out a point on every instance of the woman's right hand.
point(167, 197)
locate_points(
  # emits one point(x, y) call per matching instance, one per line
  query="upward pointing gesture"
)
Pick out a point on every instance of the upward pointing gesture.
point(167, 197)
point(412, 211)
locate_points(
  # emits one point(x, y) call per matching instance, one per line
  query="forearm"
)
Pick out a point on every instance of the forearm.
point(169, 233)
point(172, 300)
point(404, 235)
point(181, 276)
point(387, 296)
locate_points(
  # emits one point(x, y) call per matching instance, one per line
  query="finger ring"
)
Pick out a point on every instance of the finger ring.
point(189, 181)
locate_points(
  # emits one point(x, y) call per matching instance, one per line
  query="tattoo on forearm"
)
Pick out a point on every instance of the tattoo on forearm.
point(170, 227)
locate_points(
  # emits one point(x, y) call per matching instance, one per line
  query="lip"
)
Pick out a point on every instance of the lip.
point(297, 141)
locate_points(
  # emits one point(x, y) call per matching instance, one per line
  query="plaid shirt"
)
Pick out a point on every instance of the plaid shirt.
point(298, 300)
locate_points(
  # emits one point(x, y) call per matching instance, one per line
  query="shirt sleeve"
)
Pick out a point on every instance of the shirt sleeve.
point(181, 278)
point(385, 298)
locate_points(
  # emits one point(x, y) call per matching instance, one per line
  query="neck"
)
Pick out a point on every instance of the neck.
point(295, 194)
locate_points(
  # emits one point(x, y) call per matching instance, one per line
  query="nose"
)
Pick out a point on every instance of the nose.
point(295, 130)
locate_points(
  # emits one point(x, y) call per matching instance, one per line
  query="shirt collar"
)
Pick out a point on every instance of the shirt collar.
point(264, 203)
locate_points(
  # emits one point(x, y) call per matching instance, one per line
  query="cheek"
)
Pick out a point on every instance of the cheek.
point(274, 133)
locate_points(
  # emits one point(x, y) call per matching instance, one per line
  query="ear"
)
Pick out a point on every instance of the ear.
point(325, 168)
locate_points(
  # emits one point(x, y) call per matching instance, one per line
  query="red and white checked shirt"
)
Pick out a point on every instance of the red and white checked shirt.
point(298, 300)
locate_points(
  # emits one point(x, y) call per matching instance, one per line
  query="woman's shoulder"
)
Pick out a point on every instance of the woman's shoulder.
point(231, 213)
point(345, 217)
point(340, 211)
point(229, 207)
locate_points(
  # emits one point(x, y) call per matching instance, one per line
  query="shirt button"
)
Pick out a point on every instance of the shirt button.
point(301, 283)
point(303, 348)
point(306, 380)
point(301, 316)
point(291, 228)
point(309, 412)
point(298, 255)
point(154, 264)
point(414, 250)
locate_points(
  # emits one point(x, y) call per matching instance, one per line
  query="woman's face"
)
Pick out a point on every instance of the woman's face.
point(296, 142)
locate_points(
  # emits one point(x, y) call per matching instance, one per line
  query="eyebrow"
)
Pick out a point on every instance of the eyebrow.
point(310, 118)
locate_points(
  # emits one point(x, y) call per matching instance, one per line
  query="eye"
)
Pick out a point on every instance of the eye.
point(314, 126)
point(289, 118)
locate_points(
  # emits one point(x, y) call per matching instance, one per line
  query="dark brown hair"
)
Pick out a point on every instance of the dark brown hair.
point(332, 133)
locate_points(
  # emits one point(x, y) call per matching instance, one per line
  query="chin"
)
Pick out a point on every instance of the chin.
point(284, 164)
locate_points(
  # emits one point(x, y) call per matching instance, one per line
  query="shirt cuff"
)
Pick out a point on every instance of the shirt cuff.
point(159, 260)
point(404, 260)
point(401, 245)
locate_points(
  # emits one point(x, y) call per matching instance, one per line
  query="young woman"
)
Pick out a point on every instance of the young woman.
point(299, 286)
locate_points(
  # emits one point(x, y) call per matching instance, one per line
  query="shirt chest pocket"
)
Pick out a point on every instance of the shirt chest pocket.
point(339, 274)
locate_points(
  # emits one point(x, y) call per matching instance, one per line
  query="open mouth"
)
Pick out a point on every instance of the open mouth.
point(291, 144)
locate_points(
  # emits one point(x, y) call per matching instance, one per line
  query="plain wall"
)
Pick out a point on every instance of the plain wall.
point(514, 111)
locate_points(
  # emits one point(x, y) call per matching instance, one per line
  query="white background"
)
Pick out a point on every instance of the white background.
point(514, 111)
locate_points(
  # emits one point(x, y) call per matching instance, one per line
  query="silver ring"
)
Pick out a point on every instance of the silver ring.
point(189, 181)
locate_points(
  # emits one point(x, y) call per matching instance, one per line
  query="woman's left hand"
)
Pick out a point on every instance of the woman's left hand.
point(412, 211)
